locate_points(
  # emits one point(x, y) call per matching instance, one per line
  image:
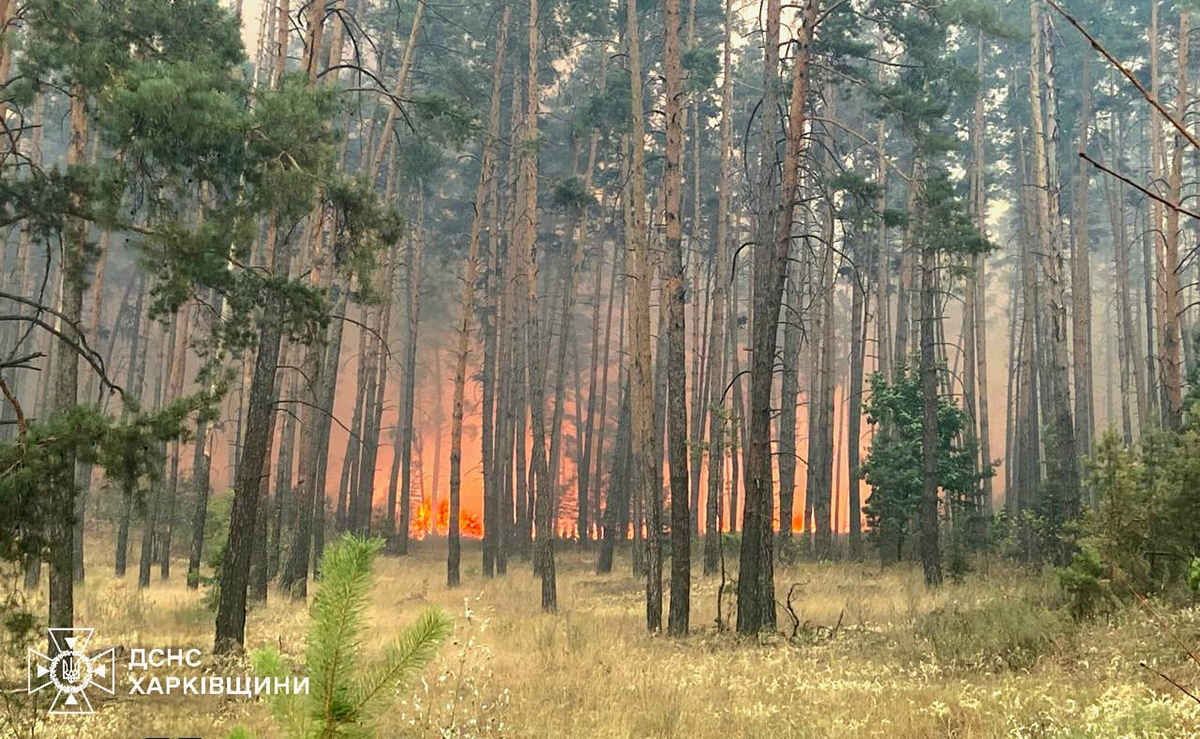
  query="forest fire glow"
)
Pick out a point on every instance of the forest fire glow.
point(426, 523)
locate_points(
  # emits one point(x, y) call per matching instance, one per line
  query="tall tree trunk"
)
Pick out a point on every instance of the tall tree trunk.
point(1170, 329)
point(377, 389)
point(486, 172)
point(931, 560)
point(495, 389)
point(790, 392)
point(284, 510)
point(180, 370)
point(820, 486)
point(527, 241)
point(675, 289)
point(235, 567)
point(1081, 282)
point(257, 587)
point(349, 475)
point(1063, 463)
point(320, 366)
point(976, 283)
point(134, 379)
point(717, 339)
point(647, 488)
point(616, 505)
point(907, 270)
point(93, 331)
point(60, 540)
point(412, 291)
point(1131, 369)
point(1028, 476)
point(150, 521)
point(859, 310)
point(575, 246)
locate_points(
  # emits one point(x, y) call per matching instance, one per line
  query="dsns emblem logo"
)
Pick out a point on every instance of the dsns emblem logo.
point(71, 671)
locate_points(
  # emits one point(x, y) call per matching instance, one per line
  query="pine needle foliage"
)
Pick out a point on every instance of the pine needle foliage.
point(347, 689)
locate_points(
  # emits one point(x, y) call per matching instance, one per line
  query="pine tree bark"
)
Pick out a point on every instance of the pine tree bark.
point(349, 475)
point(575, 245)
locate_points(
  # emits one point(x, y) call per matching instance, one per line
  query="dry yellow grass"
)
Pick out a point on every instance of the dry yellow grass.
point(591, 670)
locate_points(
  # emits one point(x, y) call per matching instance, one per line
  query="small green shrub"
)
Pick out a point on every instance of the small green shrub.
point(1086, 583)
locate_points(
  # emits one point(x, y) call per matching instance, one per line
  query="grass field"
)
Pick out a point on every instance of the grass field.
point(875, 655)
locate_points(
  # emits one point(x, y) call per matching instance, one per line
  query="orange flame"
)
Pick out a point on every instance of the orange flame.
point(422, 521)
point(426, 522)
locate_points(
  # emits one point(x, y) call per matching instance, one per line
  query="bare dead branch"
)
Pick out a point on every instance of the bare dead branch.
point(1148, 193)
point(1128, 74)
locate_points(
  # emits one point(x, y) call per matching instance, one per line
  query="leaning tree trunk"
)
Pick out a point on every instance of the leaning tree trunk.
point(235, 568)
point(756, 581)
point(647, 488)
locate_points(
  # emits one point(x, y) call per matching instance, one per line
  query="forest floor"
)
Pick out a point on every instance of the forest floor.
point(876, 655)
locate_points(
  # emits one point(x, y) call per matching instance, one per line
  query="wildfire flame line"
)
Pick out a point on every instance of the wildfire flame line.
point(426, 523)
